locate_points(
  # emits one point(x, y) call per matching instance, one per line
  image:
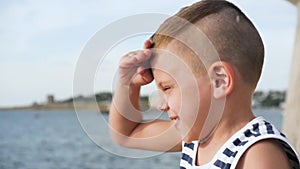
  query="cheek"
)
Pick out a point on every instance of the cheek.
point(205, 100)
point(174, 102)
point(196, 106)
point(190, 104)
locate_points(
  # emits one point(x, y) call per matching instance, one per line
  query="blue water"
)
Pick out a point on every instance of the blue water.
point(55, 140)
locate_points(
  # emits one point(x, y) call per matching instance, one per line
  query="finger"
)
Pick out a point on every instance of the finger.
point(147, 75)
point(136, 58)
point(147, 44)
point(143, 78)
point(140, 70)
point(141, 56)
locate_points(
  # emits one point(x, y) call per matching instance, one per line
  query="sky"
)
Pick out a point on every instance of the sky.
point(42, 40)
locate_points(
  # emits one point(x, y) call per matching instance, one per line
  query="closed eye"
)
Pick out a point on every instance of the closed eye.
point(165, 88)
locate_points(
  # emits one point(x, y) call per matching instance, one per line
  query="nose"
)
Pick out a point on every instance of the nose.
point(164, 107)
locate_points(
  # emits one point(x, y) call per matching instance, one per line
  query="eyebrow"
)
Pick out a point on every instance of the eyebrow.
point(160, 84)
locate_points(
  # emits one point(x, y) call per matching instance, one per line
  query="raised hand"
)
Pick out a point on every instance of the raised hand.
point(134, 68)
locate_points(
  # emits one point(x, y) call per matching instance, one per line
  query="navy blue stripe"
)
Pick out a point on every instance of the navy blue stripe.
point(269, 128)
point(255, 129)
point(238, 142)
point(187, 158)
point(182, 167)
point(189, 145)
point(229, 153)
point(282, 135)
point(222, 165)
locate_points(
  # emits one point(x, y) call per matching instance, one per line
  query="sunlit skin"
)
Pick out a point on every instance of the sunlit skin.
point(187, 99)
point(186, 96)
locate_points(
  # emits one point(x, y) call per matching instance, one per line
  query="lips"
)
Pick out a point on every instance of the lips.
point(174, 117)
point(176, 121)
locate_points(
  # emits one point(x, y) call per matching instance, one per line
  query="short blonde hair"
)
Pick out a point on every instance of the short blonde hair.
point(232, 34)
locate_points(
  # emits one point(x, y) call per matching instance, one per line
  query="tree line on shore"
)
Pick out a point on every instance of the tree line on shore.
point(272, 98)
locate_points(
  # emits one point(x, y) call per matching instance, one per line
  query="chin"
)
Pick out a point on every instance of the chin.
point(189, 140)
point(188, 137)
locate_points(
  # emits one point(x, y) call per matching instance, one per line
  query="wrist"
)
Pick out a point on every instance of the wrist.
point(134, 91)
point(134, 87)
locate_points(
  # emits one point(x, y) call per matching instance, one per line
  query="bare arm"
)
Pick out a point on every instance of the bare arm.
point(127, 127)
point(266, 154)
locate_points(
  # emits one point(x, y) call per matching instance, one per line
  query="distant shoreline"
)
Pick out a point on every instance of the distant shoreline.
point(78, 105)
point(102, 101)
point(61, 106)
point(104, 108)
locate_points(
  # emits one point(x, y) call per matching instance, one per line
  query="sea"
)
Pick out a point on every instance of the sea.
point(55, 139)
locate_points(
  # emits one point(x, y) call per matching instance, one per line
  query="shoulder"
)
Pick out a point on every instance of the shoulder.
point(267, 154)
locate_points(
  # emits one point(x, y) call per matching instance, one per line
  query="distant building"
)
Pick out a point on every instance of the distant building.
point(50, 99)
point(271, 98)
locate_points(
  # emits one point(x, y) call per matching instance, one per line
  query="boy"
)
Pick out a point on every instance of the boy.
point(206, 61)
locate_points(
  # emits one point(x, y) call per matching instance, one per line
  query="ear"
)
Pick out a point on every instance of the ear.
point(222, 78)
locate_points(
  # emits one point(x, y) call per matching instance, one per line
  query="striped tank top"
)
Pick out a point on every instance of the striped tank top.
point(229, 154)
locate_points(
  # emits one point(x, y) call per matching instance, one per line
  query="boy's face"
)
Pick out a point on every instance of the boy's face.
point(187, 96)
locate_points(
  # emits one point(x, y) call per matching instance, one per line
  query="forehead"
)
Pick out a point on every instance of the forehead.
point(168, 62)
point(168, 59)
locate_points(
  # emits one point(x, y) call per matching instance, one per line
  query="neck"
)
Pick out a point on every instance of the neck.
point(235, 116)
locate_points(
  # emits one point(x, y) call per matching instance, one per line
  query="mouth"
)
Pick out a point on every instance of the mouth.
point(174, 117)
point(176, 121)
